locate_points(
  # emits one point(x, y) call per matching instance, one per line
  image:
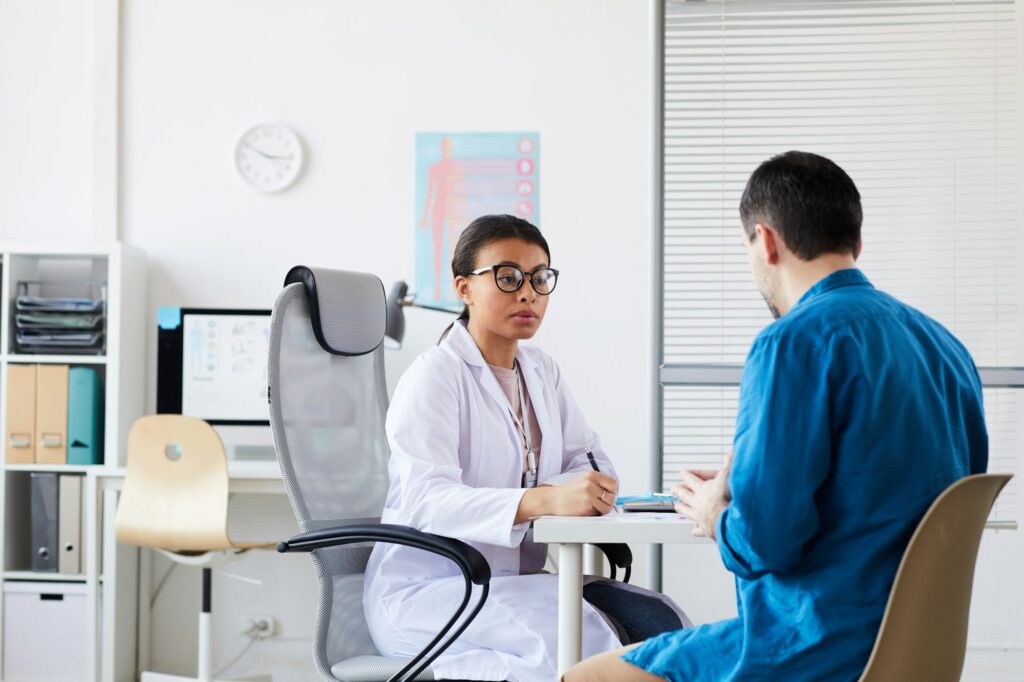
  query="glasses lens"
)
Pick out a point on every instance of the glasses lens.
point(544, 281)
point(508, 278)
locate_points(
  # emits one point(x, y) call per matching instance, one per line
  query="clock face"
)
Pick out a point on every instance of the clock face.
point(268, 157)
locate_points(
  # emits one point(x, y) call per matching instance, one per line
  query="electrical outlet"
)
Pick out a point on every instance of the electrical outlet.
point(260, 627)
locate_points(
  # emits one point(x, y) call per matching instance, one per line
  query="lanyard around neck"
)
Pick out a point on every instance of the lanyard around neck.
point(523, 427)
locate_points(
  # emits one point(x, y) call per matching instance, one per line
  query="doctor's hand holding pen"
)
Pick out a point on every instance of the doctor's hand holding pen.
point(590, 494)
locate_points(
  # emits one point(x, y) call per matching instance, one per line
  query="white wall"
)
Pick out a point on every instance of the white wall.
point(356, 81)
point(45, 119)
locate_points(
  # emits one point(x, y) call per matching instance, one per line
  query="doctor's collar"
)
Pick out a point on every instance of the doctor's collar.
point(464, 345)
point(461, 341)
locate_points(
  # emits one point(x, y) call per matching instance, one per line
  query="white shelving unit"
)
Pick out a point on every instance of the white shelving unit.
point(122, 371)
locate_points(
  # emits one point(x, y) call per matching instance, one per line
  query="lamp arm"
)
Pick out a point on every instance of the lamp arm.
point(439, 309)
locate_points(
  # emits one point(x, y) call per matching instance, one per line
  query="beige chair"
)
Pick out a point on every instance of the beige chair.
point(175, 500)
point(923, 635)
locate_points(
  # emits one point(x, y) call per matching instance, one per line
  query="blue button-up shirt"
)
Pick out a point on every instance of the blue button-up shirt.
point(855, 412)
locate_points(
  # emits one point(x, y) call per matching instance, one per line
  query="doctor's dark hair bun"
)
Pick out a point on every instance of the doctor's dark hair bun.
point(483, 231)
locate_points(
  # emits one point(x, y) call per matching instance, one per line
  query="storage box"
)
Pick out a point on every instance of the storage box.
point(44, 631)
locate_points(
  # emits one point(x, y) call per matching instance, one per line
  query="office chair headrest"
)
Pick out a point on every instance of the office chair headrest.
point(347, 309)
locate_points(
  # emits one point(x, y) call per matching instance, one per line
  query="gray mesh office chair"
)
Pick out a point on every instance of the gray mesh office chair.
point(328, 401)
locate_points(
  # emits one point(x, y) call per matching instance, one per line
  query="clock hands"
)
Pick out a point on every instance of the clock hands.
point(272, 157)
point(268, 156)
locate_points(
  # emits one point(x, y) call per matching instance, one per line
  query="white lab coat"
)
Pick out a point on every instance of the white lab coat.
point(456, 470)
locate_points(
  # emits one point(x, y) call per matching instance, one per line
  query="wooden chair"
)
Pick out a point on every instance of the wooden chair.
point(923, 635)
point(175, 500)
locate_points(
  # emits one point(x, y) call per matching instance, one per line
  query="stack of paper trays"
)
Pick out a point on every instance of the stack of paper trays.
point(58, 324)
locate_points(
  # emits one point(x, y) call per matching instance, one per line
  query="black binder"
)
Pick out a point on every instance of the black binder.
point(44, 493)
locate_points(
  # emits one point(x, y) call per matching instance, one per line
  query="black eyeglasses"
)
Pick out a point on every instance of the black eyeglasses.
point(510, 278)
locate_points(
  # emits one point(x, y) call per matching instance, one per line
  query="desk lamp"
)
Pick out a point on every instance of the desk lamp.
point(398, 298)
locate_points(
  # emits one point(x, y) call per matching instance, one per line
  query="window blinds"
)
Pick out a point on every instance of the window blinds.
point(916, 100)
point(699, 422)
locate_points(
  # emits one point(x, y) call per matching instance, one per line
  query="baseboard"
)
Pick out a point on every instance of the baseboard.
point(994, 646)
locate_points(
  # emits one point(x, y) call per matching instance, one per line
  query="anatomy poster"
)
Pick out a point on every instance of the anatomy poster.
point(459, 177)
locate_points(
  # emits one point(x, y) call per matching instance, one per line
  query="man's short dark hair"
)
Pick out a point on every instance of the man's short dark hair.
point(810, 201)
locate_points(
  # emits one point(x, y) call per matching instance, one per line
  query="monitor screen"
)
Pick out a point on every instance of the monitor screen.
point(212, 364)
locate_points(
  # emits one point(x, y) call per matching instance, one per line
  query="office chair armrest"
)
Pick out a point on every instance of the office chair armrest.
point(619, 556)
point(474, 566)
point(468, 558)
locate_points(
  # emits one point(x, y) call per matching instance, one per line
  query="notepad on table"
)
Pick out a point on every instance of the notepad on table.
point(650, 502)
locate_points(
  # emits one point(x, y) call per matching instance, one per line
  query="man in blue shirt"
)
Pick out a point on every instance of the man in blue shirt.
point(856, 411)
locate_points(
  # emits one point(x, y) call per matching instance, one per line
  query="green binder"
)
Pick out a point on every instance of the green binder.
point(85, 416)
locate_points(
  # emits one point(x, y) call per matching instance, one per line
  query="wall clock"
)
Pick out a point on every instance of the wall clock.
point(268, 157)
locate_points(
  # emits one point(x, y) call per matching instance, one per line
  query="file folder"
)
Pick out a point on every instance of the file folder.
point(43, 494)
point(52, 414)
point(69, 526)
point(20, 438)
point(85, 416)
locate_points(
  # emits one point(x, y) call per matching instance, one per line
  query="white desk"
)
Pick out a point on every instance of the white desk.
point(122, 620)
point(570, 533)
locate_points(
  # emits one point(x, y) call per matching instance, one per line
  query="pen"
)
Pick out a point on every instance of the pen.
point(593, 463)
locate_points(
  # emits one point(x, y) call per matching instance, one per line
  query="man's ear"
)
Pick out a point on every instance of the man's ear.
point(770, 243)
point(856, 251)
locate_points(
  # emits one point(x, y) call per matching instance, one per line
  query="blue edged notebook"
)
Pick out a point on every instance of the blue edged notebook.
point(650, 502)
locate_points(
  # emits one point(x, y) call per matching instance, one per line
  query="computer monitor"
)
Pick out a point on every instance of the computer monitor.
point(212, 364)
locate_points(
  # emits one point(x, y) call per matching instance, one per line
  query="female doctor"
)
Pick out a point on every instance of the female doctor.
point(485, 435)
